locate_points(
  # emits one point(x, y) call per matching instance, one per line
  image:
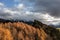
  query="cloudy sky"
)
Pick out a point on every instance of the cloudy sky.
point(46, 11)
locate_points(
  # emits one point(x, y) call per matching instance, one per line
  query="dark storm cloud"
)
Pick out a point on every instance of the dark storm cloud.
point(50, 6)
point(2, 13)
point(5, 14)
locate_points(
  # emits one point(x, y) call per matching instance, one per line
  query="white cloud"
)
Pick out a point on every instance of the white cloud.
point(20, 6)
point(50, 20)
point(47, 17)
point(20, 12)
point(1, 4)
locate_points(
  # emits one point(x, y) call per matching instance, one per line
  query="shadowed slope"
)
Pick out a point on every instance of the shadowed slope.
point(49, 30)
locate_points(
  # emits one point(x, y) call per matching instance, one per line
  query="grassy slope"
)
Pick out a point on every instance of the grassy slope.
point(21, 31)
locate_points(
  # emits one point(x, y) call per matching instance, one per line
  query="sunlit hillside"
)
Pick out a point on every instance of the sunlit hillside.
point(21, 31)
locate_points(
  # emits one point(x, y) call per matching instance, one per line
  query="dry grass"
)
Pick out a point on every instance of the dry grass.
point(21, 31)
point(5, 34)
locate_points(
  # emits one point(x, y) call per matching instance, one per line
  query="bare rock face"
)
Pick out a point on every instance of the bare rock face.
point(21, 31)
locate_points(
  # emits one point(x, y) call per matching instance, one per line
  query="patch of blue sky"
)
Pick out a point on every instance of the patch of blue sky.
point(8, 3)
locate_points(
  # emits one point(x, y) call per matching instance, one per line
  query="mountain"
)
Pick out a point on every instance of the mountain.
point(21, 30)
point(50, 30)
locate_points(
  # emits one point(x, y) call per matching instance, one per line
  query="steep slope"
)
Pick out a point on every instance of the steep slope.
point(21, 31)
point(14, 30)
point(49, 30)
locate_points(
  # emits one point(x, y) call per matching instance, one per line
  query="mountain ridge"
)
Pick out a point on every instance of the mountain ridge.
point(21, 30)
